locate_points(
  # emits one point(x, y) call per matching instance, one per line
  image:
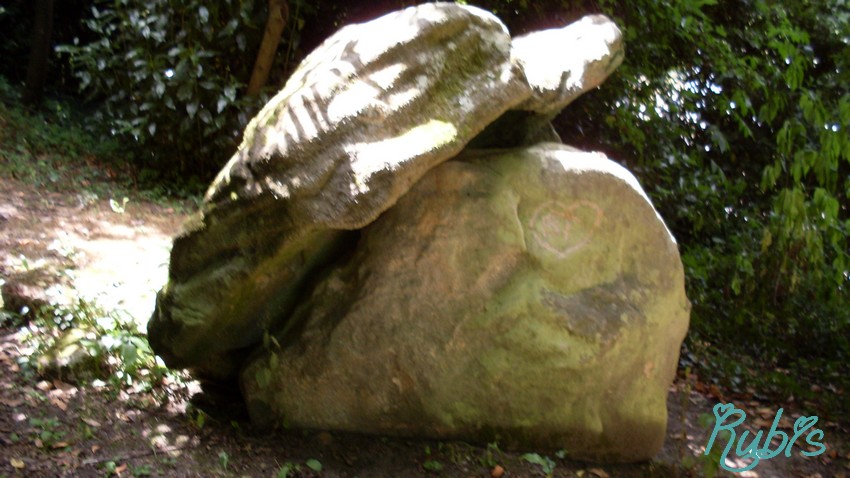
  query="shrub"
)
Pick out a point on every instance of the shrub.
point(168, 75)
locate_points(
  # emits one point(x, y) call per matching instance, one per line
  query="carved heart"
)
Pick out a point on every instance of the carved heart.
point(563, 229)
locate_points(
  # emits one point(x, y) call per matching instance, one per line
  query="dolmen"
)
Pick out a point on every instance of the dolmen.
point(402, 245)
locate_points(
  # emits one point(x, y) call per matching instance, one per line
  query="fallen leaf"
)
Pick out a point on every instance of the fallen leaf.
point(715, 392)
point(12, 402)
point(599, 472)
point(38, 444)
point(60, 444)
point(44, 385)
point(95, 448)
point(17, 463)
point(91, 423)
point(59, 404)
point(60, 385)
point(761, 423)
point(121, 469)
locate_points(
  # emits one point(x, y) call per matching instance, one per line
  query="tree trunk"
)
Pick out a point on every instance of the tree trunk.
point(39, 52)
point(278, 15)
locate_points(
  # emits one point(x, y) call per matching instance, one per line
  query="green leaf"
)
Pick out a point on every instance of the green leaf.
point(314, 465)
point(545, 462)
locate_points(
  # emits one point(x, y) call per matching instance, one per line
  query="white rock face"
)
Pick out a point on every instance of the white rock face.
point(562, 64)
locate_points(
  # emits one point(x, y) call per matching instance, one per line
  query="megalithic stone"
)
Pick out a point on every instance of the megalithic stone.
point(531, 296)
point(362, 119)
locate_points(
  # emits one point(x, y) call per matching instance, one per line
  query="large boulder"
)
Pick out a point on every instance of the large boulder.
point(533, 295)
point(594, 49)
point(361, 120)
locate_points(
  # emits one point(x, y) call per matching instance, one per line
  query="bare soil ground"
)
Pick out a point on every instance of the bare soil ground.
point(49, 427)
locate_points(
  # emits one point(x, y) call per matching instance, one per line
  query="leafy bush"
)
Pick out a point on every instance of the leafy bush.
point(734, 117)
point(81, 341)
point(49, 146)
point(169, 74)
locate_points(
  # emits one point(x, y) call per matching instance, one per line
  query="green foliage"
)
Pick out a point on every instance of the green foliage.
point(546, 463)
point(287, 468)
point(83, 342)
point(52, 149)
point(42, 148)
point(735, 119)
point(141, 470)
point(314, 464)
point(492, 455)
point(169, 74)
point(46, 431)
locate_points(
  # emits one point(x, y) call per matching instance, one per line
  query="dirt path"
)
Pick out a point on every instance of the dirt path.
point(119, 259)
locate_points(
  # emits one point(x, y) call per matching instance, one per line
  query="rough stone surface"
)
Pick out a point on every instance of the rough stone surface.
point(594, 49)
point(534, 295)
point(360, 121)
